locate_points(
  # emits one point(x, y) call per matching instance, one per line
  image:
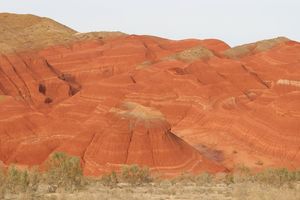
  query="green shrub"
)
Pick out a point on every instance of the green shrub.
point(184, 177)
point(204, 178)
point(135, 175)
point(229, 179)
point(35, 178)
point(14, 180)
point(17, 180)
point(2, 183)
point(242, 174)
point(64, 171)
point(110, 179)
point(277, 177)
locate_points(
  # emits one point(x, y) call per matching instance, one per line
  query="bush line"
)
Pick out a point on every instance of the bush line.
point(64, 172)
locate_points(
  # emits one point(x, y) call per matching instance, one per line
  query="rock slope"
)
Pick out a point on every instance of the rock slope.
point(112, 99)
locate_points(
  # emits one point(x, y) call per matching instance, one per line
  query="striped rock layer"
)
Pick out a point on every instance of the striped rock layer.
point(174, 106)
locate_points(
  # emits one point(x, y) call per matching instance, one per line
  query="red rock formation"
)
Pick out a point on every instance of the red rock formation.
point(136, 134)
point(196, 105)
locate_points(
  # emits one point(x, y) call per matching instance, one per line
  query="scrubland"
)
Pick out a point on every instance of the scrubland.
point(63, 179)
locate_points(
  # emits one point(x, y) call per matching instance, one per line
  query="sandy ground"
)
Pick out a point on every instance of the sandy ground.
point(167, 190)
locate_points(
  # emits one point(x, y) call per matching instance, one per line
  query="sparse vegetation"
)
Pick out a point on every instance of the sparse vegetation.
point(192, 54)
point(278, 177)
point(260, 46)
point(129, 174)
point(63, 179)
point(16, 181)
point(64, 171)
point(135, 175)
point(110, 179)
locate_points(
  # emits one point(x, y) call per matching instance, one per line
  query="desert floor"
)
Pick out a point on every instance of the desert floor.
point(168, 190)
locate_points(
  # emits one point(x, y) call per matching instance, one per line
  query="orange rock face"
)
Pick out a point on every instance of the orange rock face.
point(175, 106)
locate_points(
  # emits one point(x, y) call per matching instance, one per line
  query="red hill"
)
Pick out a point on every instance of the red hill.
point(113, 99)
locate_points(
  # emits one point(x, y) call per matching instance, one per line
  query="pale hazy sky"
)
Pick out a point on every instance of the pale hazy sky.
point(234, 21)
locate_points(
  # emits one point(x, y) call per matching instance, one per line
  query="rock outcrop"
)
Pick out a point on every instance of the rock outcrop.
point(113, 99)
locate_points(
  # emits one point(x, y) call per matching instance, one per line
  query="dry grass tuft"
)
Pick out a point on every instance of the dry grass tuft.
point(20, 32)
point(110, 179)
point(135, 175)
point(256, 191)
point(192, 54)
point(247, 49)
point(64, 171)
point(129, 174)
